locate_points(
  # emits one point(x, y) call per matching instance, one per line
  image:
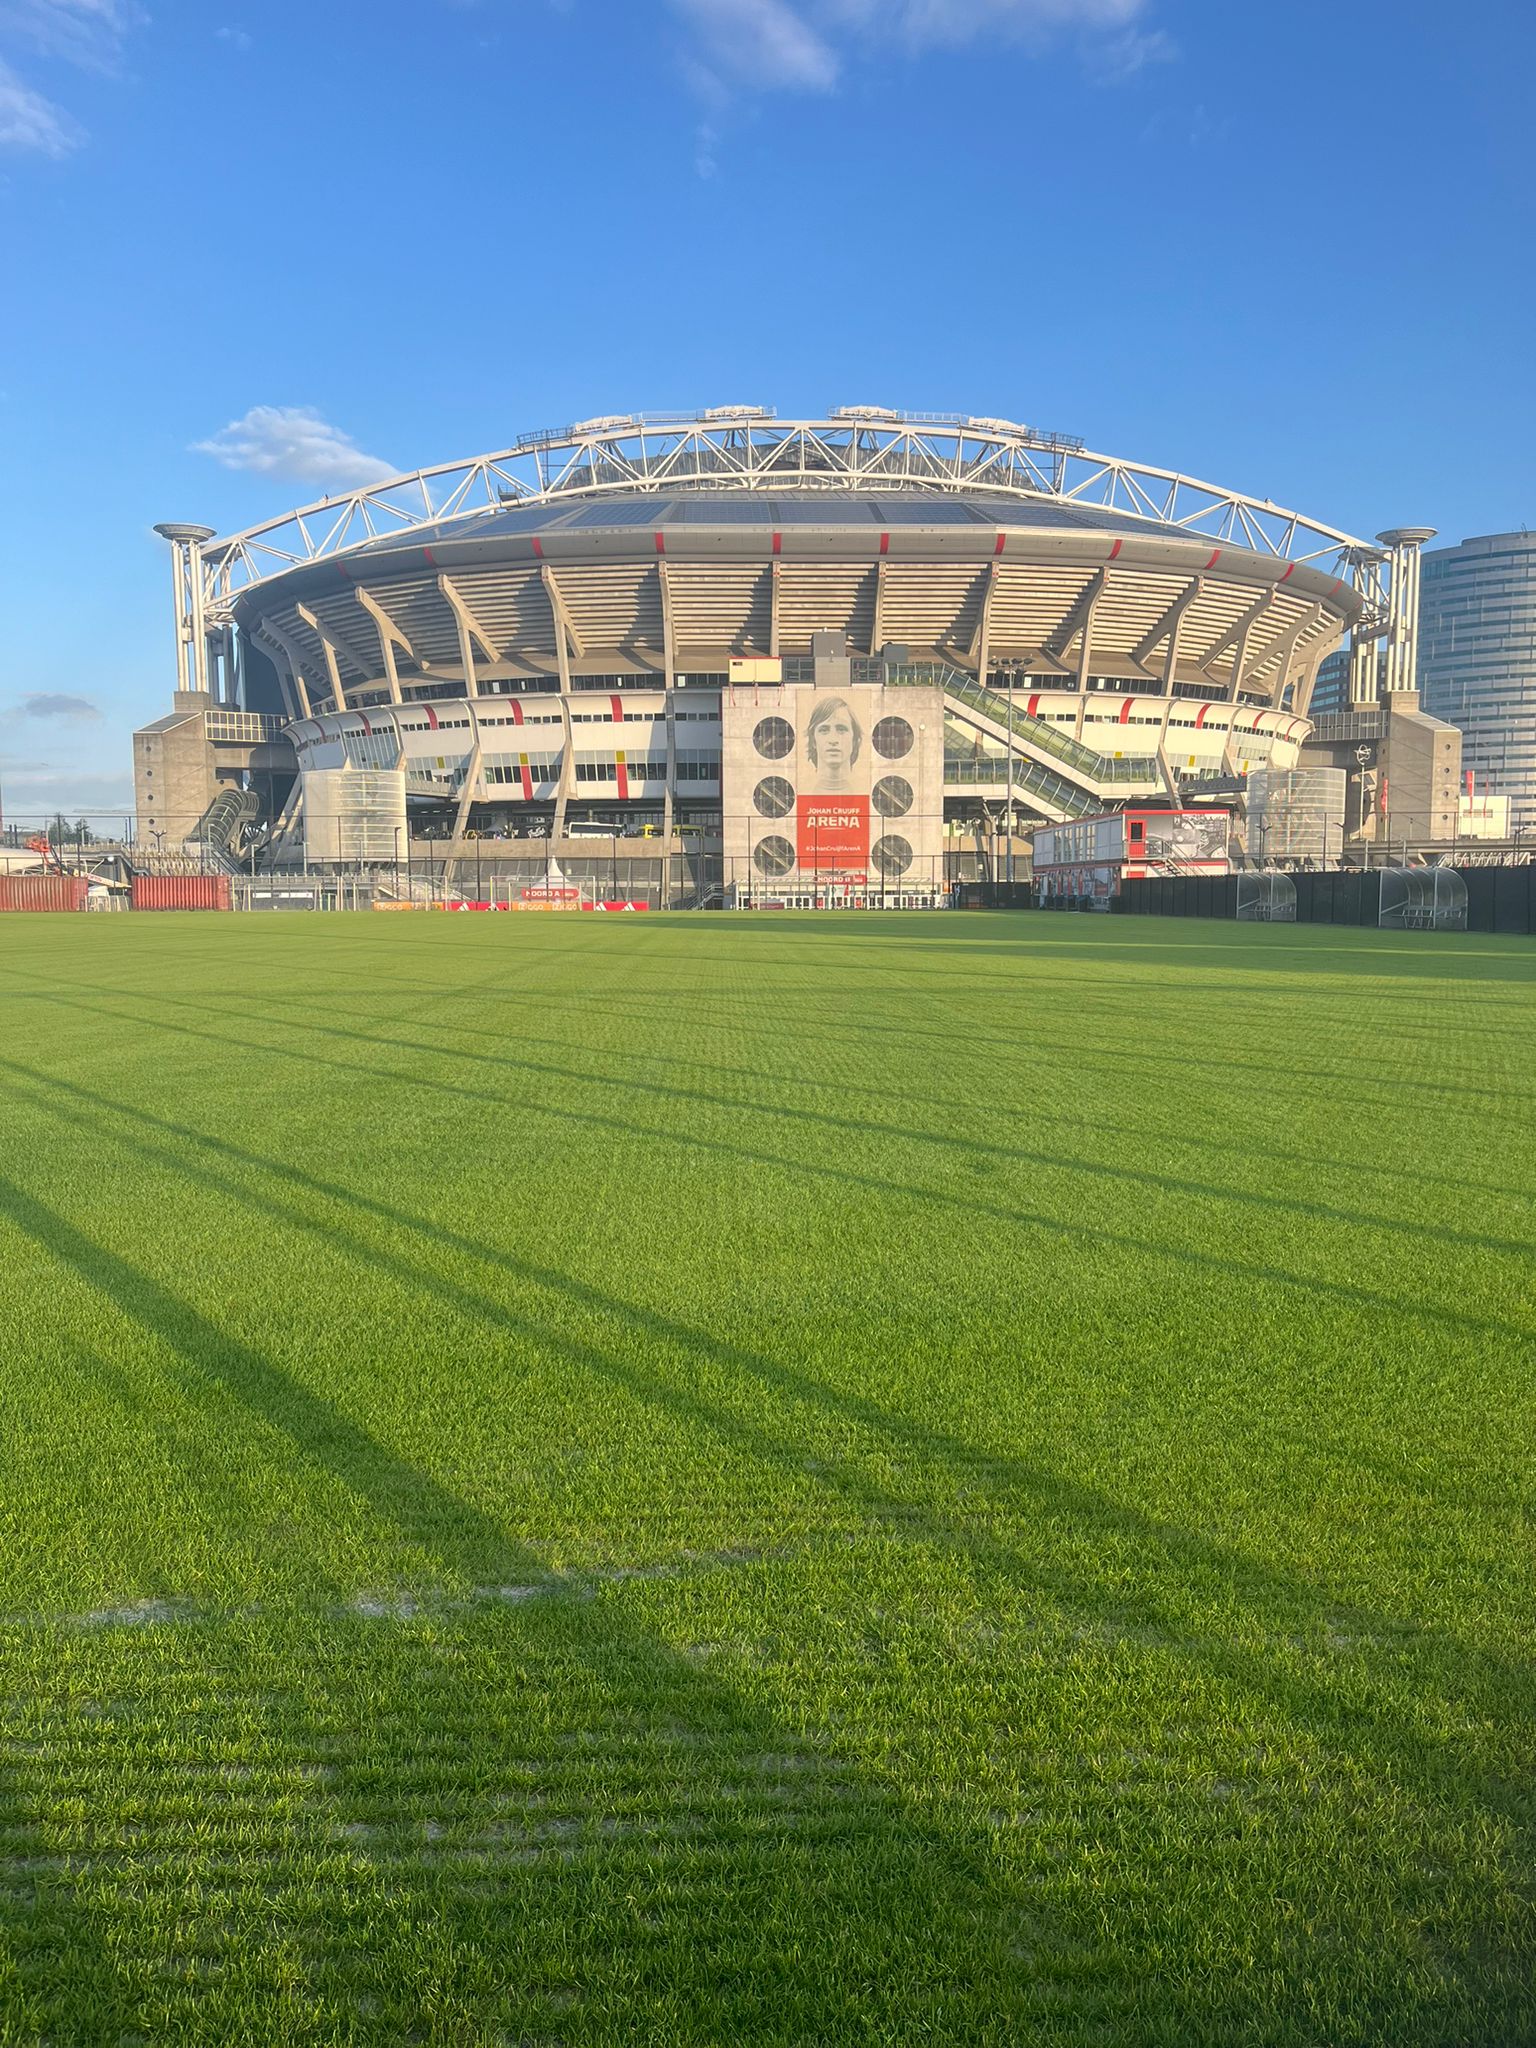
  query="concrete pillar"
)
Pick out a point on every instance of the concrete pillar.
point(1404, 543)
point(187, 586)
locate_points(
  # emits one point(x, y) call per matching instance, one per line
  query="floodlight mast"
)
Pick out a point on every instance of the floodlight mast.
point(187, 589)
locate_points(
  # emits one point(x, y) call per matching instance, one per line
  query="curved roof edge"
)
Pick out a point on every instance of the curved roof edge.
point(867, 453)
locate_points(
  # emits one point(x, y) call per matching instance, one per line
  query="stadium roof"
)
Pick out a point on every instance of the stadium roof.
point(863, 511)
point(739, 466)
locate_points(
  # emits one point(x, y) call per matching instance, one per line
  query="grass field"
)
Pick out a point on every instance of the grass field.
point(954, 1479)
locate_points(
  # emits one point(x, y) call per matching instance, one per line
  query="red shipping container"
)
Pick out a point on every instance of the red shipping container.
point(181, 892)
point(43, 892)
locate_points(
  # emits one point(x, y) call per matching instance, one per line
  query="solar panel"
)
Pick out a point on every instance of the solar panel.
point(928, 510)
point(739, 510)
point(824, 511)
point(854, 510)
point(644, 512)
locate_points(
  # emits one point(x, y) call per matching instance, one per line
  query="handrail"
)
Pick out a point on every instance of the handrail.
point(1027, 775)
point(1040, 733)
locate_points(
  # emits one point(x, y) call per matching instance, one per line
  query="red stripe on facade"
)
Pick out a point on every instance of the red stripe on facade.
point(885, 543)
point(431, 718)
point(1000, 543)
point(623, 781)
point(1032, 709)
point(618, 709)
point(527, 780)
point(517, 712)
point(431, 558)
point(1215, 558)
point(1289, 573)
point(538, 547)
point(367, 728)
point(1200, 716)
point(661, 543)
point(1119, 544)
point(1125, 710)
point(778, 542)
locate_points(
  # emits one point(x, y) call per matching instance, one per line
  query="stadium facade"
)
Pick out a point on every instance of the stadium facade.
point(838, 649)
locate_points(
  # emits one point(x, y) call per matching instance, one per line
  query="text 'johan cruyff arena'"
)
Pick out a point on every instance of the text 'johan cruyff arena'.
point(802, 655)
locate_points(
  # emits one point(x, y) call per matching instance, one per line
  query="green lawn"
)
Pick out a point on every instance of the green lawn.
point(889, 1479)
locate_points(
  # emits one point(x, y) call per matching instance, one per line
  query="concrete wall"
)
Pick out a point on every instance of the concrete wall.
point(173, 773)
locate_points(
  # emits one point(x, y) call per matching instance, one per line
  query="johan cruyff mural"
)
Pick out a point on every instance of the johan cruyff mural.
point(832, 810)
point(831, 783)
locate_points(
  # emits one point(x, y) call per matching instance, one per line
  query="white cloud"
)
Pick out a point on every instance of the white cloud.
point(935, 24)
point(1119, 57)
point(754, 45)
point(31, 123)
point(237, 38)
point(757, 44)
point(294, 441)
point(35, 790)
point(85, 33)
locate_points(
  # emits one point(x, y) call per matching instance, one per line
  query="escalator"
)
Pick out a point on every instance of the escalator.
point(1067, 762)
point(1049, 793)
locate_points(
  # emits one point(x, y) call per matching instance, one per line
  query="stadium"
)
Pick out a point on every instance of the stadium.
point(623, 629)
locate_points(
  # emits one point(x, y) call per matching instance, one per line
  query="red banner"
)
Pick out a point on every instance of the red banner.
point(832, 834)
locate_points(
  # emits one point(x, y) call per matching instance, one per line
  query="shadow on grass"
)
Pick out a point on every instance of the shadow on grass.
point(1157, 1248)
point(1357, 1090)
point(1435, 1231)
point(1319, 949)
point(1359, 1714)
point(803, 1040)
point(567, 1825)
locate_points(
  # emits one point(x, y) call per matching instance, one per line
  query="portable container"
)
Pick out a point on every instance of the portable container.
point(181, 892)
point(43, 892)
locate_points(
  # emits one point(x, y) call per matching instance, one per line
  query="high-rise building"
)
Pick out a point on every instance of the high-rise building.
point(1477, 659)
point(1330, 693)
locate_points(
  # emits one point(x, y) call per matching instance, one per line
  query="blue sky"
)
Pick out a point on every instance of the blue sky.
point(1284, 246)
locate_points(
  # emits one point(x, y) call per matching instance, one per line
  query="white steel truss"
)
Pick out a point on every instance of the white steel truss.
point(748, 449)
